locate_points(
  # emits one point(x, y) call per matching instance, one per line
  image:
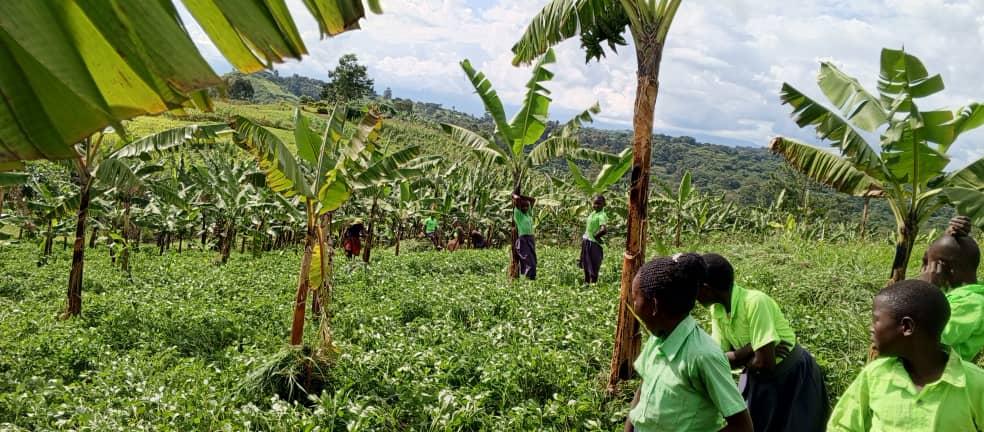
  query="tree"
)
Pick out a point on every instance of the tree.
point(101, 166)
point(508, 143)
point(604, 21)
point(73, 68)
point(348, 81)
point(908, 172)
point(241, 89)
point(321, 173)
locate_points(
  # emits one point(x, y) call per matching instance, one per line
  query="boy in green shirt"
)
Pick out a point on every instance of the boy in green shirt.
point(591, 251)
point(686, 383)
point(430, 230)
point(524, 249)
point(916, 384)
point(781, 383)
point(951, 263)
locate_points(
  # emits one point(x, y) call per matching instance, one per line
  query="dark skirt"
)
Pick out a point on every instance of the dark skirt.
point(526, 252)
point(591, 256)
point(792, 397)
point(352, 246)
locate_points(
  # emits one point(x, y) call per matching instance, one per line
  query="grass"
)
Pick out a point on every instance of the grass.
point(428, 340)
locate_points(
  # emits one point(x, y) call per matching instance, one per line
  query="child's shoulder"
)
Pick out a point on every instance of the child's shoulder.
point(703, 346)
point(974, 375)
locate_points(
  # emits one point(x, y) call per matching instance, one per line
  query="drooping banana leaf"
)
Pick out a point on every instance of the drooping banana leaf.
point(282, 171)
point(826, 168)
point(530, 121)
point(71, 68)
point(493, 105)
point(860, 107)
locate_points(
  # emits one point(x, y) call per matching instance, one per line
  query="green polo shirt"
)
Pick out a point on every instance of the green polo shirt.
point(595, 220)
point(755, 319)
point(883, 398)
point(524, 222)
point(686, 383)
point(430, 225)
point(965, 330)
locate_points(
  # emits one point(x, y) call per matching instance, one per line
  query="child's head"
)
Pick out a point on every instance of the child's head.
point(523, 204)
point(951, 261)
point(598, 203)
point(908, 316)
point(720, 278)
point(664, 290)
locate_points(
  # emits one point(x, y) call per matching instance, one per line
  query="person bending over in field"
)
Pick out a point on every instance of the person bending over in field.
point(478, 240)
point(782, 384)
point(951, 264)
point(686, 382)
point(917, 384)
point(591, 250)
point(353, 239)
point(525, 246)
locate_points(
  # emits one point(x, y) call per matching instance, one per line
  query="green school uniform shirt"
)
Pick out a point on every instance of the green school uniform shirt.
point(430, 225)
point(686, 383)
point(755, 319)
point(883, 398)
point(965, 330)
point(595, 221)
point(524, 222)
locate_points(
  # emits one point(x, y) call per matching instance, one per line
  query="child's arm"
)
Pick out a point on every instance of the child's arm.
point(739, 358)
point(740, 422)
point(764, 358)
point(635, 401)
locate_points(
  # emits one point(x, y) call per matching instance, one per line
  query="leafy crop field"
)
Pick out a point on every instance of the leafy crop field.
point(428, 340)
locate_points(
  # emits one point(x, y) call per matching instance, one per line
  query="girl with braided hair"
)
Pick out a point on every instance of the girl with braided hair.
point(951, 264)
point(686, 382)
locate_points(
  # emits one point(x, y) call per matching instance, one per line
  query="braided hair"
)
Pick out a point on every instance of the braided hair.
point(673, 281)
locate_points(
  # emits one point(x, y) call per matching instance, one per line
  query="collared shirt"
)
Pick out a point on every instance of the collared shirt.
point(883, 398)
point(430, 225)
point(755, 319)
point(686, 383)
point(595, 220)
point(965, 330)
point(524, 222)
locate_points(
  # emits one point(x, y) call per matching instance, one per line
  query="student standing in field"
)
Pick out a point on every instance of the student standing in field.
point(591, 250)
point(917, 384)
point(951, 263)
point(781, 383)
point(686, 382)
point(478, 240)
point(430, 230)
point(525, 246)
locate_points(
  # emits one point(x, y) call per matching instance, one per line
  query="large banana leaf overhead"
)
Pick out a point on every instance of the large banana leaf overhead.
point(73, 67)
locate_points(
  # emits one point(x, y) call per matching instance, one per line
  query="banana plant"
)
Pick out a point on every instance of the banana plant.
point(507, 147)
point(908, 172)
point(321, 173)
point(680, 200)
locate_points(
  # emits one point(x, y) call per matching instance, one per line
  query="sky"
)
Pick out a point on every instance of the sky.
point(722, 68)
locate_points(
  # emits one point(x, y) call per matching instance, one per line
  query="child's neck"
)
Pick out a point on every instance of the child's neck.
point(667, 325)
point(925, 366)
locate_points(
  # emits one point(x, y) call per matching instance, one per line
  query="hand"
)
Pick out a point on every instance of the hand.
point(959, 226)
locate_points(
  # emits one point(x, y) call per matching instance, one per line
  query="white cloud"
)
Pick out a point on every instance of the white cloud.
point(722, 67)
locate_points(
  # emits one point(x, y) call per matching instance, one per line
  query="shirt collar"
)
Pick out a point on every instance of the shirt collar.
point(672, 344)
point(737, 294)
point(953, 373)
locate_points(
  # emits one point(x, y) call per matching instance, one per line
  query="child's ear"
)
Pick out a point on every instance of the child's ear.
point(908, 326)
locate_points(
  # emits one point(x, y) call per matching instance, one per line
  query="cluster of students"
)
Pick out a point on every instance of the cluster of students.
point(921, 380)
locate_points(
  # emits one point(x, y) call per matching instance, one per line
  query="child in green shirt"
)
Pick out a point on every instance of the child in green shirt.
point(781, 383)
point(524, 248)
point(916, 384)
point(686, 383)
point(430, 231)
point(951, 264)
point(591, 251)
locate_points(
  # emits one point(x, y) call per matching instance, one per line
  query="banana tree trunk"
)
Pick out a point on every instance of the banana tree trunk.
point(864, 216)
point(127, 235)
point(371, 238)
point(204, 232)
point(303, 281)
point(49, 237)
point(3, 192)
point(228, 237)
point(324, 294)
point(93, 237)
point(627, 337)
point(679, 227)
point(905, 237)
point(74, 306)
point(398, 233)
